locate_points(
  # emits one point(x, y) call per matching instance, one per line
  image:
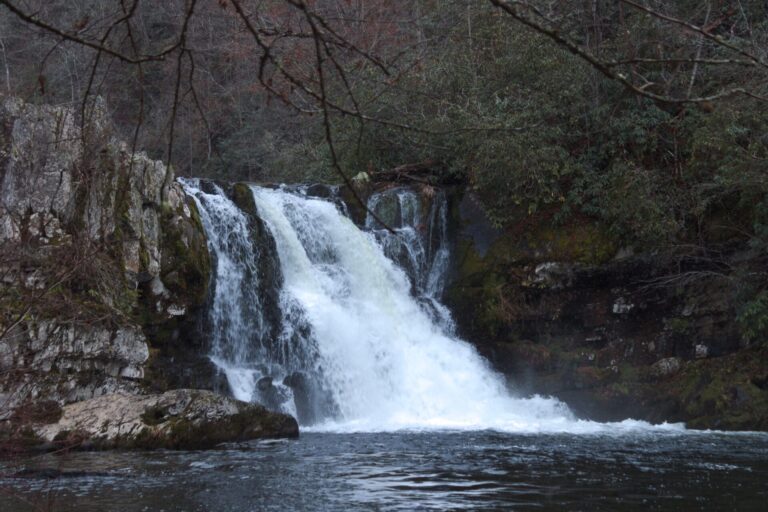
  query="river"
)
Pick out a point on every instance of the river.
point(478, 470)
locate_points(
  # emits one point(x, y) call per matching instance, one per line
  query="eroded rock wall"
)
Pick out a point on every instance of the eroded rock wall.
point(101, 262)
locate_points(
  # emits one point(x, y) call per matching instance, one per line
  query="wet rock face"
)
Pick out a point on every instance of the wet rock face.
point(564, 311)
point(178, 419)
point(144, 274)
point(302, 393)
point(268, 274)
point(270, 395)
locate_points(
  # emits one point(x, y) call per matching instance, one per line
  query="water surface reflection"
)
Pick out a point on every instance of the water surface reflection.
point(414, 471)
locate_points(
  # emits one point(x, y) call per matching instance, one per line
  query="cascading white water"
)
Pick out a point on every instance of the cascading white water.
point(370, 347)
point(238, 330)
point(418, 245)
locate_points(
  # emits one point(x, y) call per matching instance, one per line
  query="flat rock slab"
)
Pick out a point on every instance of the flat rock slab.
point(179, 419)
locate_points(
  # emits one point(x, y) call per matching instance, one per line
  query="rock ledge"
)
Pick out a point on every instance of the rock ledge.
point(178, 419)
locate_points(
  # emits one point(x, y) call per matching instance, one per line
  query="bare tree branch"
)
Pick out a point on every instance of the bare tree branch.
point(518, 11)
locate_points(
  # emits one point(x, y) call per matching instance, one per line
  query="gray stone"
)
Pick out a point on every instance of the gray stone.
point(666, 367)
point(179, 419)
point(60, 362)
point(622, 306)
point(552, 274)
point(33, 179)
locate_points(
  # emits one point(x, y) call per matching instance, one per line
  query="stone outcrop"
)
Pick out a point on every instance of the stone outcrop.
point(564, 311)
point(178, 419)
point(46, 360)
point(103, 264)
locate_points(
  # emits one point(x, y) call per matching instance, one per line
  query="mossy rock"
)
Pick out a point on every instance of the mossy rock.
point(242, 195)
point(186, 264)
point(728, 393)
point(492, 266)
point(356, 208)
point(583, 243)
point(253, 423)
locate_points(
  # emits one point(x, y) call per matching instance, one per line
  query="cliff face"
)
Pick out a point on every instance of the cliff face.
point(564, 311)
point(99, 265)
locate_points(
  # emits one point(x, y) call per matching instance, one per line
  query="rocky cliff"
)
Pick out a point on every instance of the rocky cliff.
point(103, 265)
point(563, 310)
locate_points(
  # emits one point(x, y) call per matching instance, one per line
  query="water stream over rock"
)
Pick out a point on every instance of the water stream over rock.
point(362, 341)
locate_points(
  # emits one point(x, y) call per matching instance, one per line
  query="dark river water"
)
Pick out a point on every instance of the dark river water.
point(412, 471)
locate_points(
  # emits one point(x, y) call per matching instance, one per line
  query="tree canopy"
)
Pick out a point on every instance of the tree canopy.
point(643, 115)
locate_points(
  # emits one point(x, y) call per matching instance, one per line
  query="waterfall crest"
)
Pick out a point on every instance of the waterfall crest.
point(362, 342)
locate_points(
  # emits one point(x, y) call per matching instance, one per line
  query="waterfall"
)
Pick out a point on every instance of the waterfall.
point(241, 334)
point(419, 243)
point(362, 341)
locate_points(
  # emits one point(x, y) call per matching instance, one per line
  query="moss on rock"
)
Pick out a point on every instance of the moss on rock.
point(186, 264)
point(556, 310)
point(727, 393)
point(242, 196)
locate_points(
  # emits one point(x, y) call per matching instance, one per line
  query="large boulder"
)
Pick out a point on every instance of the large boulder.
point(180, 419)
